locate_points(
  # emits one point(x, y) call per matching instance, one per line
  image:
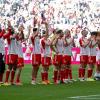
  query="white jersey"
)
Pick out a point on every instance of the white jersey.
point(98, 55)
point(2, 46)
point(46, 51)
point(12, 47)
point(59, 46)
point(19, 49)
point(36, 45)
point(92, 51)
point(68, 49)
point(83, 50)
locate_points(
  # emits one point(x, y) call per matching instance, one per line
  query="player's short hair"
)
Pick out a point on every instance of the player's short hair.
point(84, 31)
point(59, 32)
point(94, 33)
point(34, 29)
point(43, 32)
point(66, 31)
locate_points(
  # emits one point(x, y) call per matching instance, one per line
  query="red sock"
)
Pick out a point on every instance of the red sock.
point(43, 76)
point(62, 75)
point(12, 76)
point(7, 75)
point(98, 68)
point(90, 71)
point(55, 75)
point(80, 72)
point(46, 75)
point(1, 77)
point(66, 73)
point(83, 72)
point(18, 78)
point(58, 77)
point(70, 73)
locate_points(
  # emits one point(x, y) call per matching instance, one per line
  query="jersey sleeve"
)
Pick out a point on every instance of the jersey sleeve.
point(43, 43)
point(32, 40)
point(80, 42)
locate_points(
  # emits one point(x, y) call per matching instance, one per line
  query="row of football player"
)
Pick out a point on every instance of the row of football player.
point(61, 46)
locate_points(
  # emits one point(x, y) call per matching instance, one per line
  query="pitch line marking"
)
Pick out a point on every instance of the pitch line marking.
point(89, 97)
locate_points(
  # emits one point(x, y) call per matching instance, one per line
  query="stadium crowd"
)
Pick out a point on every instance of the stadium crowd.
point(51, 27)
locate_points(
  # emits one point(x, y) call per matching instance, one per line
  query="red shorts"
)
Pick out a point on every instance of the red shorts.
point(66, 60)
point(11, 59)
point(84, 59)
point(20, 62)
point(58, 60)
point(36, 59)
point(98, 63)
point(92, 59)
point(46, 61)
point(7, 59)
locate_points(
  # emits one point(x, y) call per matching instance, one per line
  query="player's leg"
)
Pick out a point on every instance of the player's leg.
point(36, 60)
point(69, 68)
point(55, 71)
point(92, 61)
point(14, 59)
point(82, 68)
point(97, 73)
point(98, 66)
point(18, 81)
point(20, 66)
point(34, 73)
point(46, 62)
point(65, 60)
point(2, 68)
point(8, 71)
point(57, 67)
point(45, 75)
point(62, 73)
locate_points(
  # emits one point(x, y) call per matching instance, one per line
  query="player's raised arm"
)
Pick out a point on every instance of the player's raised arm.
point(57, 36)
point(46, 26)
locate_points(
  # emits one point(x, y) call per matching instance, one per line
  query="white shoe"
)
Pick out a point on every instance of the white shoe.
point(1, 82)
point(81, 79)
point(70, 81)
point(74, 80)
point(58, 82)
point(66, 81)
point(33, 82)
point(90, 79)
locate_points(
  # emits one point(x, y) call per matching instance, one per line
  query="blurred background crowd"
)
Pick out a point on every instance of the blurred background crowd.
point(64, 14)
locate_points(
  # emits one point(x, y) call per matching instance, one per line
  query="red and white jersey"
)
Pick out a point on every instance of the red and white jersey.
point(83, 50)
point(19, 49)
point(2, 46)
point(92, 50)
point(59, 46)
point(46, 51)
point(98, 53)
point(68, 48)
point(36, 45)
point(12, 47)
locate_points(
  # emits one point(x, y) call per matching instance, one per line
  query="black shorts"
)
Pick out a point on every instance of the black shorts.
point(2, 64)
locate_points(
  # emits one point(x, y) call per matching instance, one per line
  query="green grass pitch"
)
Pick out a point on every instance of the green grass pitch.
point(73, 91)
